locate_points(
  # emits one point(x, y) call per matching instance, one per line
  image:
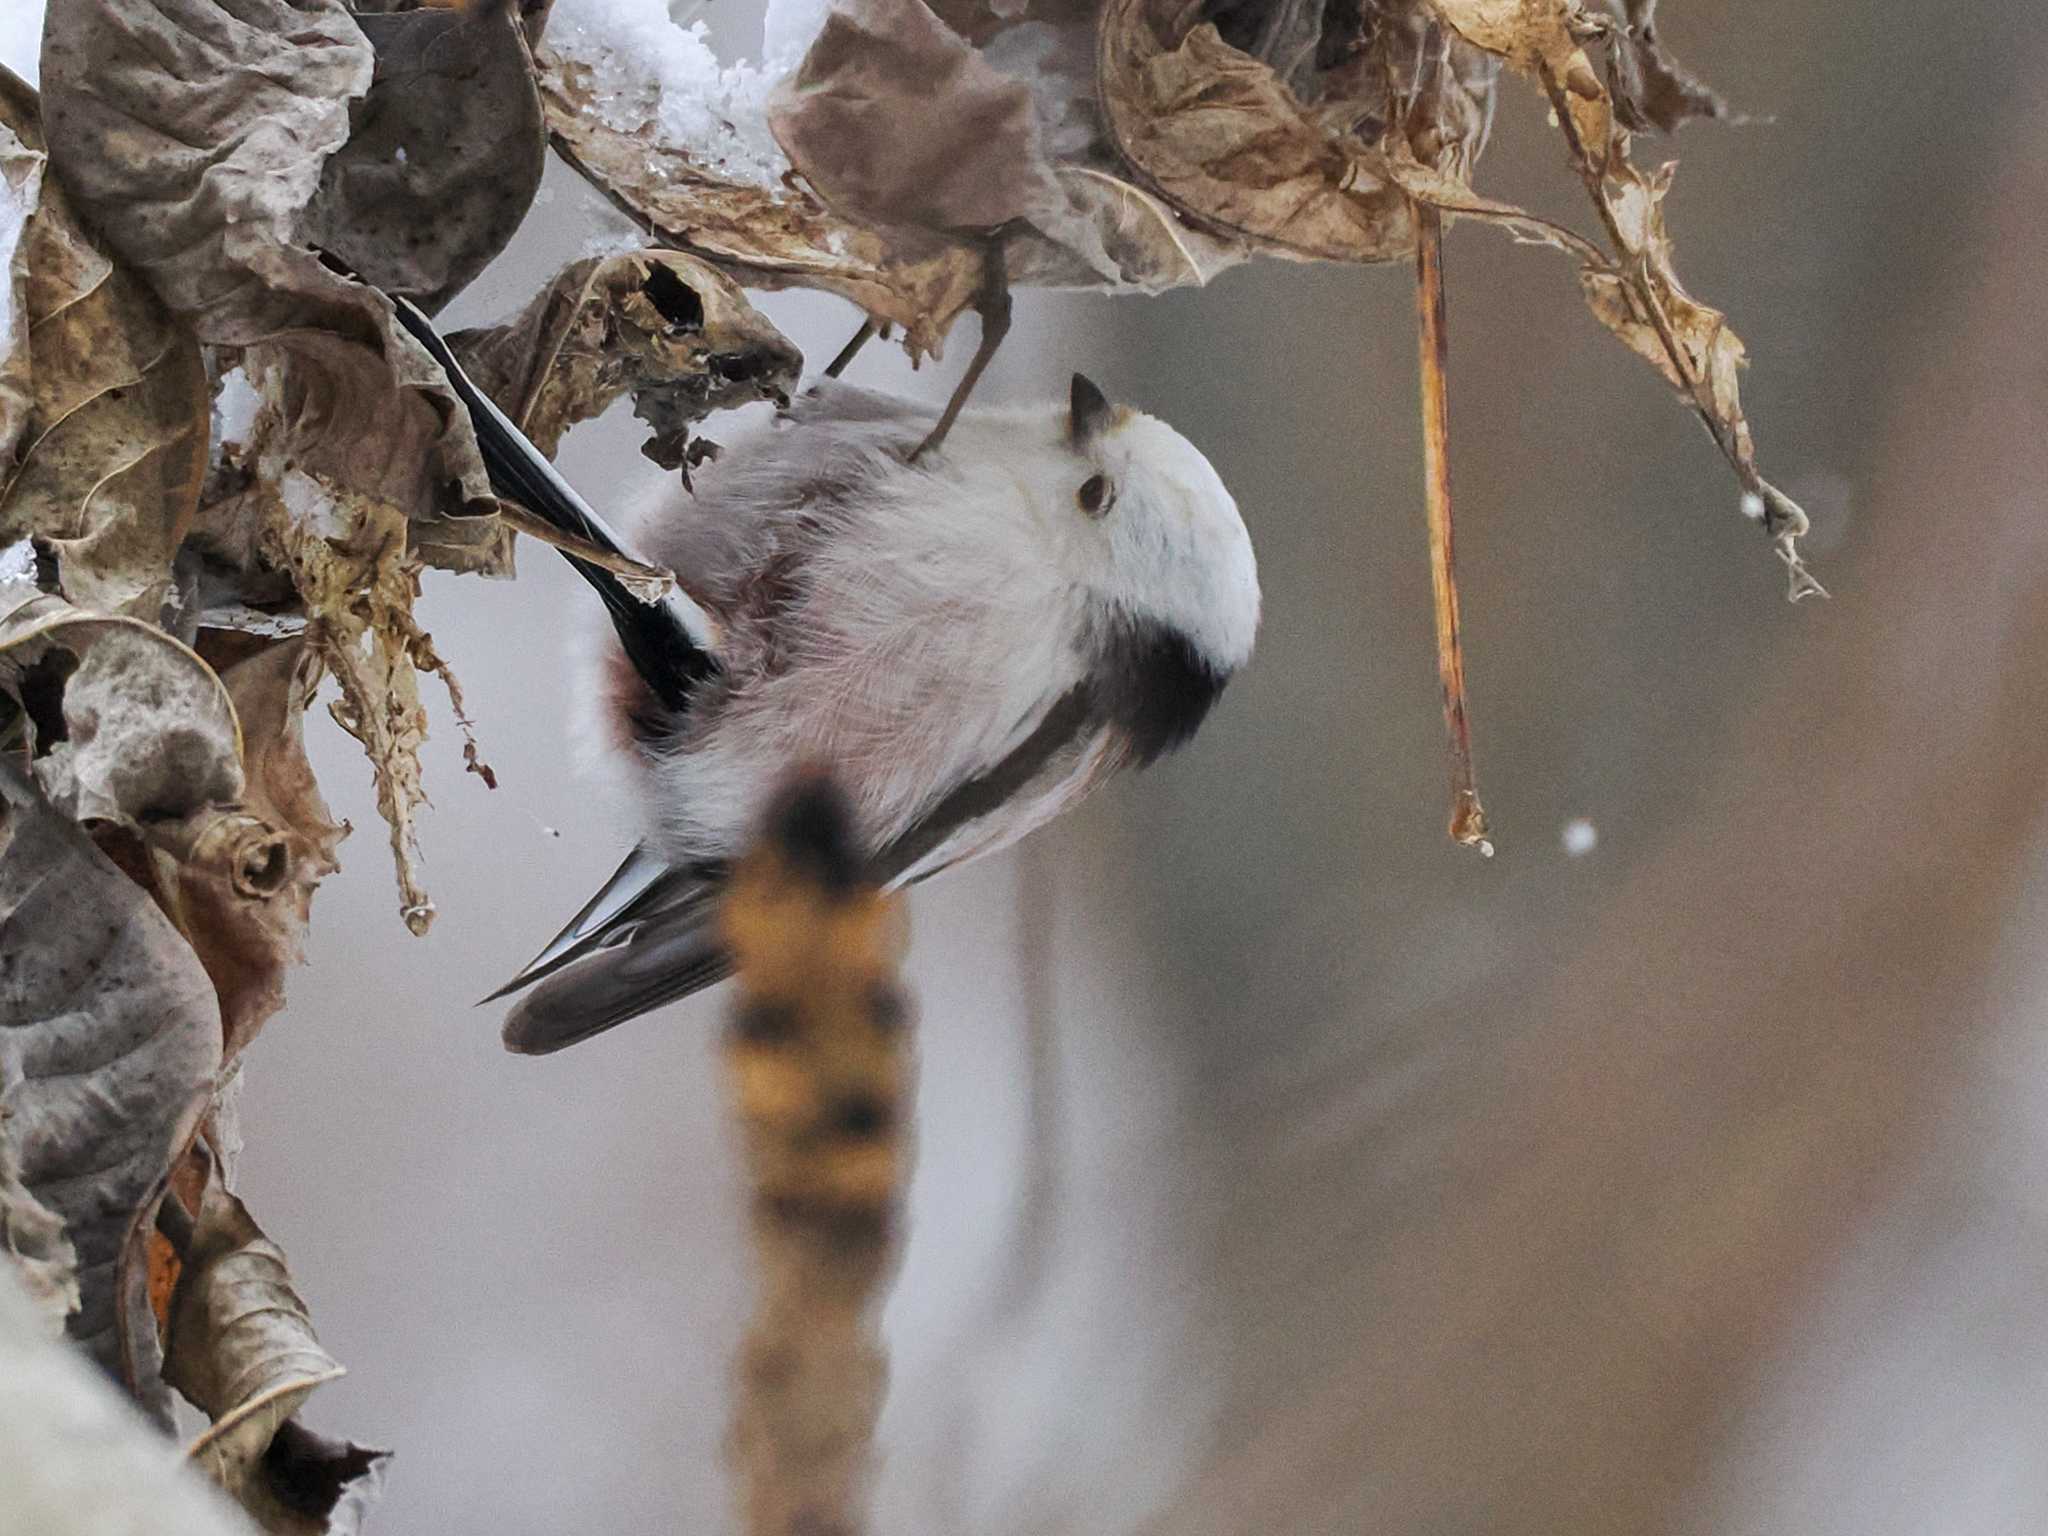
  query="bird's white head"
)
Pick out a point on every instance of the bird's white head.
point(1177, 553)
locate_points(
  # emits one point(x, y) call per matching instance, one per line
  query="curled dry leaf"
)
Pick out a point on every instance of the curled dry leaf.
point(898, 122)
point(1274, 124)
point(111, 453)
point(901, 121)
point(241, 1347)
point(242, 892)
point(110, 1041)
point(765, 237)
point(193, 137)
point(130, 726)
point(1633, 289)
point(444, 153)
point(673, 331)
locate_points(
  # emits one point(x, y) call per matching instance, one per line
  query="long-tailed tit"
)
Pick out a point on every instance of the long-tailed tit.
point(971, 642)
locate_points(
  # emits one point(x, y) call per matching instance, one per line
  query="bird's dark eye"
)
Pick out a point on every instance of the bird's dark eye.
point(1096, 495)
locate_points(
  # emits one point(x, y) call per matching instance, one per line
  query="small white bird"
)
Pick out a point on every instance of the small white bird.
point(970, 643)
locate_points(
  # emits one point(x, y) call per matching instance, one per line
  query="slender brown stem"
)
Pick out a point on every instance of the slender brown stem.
point(851, 350)
point(1468, 816)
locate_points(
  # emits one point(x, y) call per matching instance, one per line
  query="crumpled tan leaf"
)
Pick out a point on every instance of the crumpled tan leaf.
point(193, 137)
point(1219, 136)
point(1632, 289)
point(899, 123)
point(1274, 124)
point(110, 1040)
point(671, 330)
point(444, 153)
point(241, 1347)
point(112, 451)
point(243, 890)
point(763, 238)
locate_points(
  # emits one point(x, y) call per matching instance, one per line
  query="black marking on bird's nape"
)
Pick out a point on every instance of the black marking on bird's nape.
point(1153, 683)
point(811, 825)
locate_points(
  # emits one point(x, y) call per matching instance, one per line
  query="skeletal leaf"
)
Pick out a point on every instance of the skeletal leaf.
point(673, 331)
point(193, 137)
point(444, 153)
point(242, 889)
point(107, 470)
point(110, 1039)
point(765, 238)
point(241, 1347)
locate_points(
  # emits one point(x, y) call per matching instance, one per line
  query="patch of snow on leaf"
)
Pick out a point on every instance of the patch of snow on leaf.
point(645, 70)
point(234, 407)
point(21, 37)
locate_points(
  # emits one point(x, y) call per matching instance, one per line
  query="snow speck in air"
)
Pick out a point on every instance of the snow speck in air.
point(1580, 837)
point(17, 565)
point(1752, 506)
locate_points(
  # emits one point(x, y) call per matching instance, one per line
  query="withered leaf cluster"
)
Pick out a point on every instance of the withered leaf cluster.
point(223, 467)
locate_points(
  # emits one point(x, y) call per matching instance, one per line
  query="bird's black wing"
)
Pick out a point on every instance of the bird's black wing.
point(668, 642)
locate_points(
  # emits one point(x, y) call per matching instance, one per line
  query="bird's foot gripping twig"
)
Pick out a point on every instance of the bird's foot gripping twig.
point(992, 304)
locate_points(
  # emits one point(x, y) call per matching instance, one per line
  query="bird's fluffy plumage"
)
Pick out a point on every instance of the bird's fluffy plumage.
point(963, 641)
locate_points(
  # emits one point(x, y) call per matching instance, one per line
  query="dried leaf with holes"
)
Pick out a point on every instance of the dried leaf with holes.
point(241, 1347)
point(110, 1042)
point(194, 138)
point(670, 330)
point(444, 153)
point(113, 447)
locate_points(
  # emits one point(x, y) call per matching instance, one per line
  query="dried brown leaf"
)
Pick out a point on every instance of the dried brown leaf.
point(242, 1349)
point(444, 153)
point(898, 122)
point(671, 330)
point(107, 469)
point(764, 238)
point(1651, 88)
point(1633, 289)
point(147, 735)
point(110, 1042)
point(193, 137)
point(242, 888)
point(1221, 137)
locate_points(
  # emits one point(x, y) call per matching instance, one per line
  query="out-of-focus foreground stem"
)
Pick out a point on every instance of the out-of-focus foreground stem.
point(817, 1053)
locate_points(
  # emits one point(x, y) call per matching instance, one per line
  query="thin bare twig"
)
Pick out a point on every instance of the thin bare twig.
point(1468, 816)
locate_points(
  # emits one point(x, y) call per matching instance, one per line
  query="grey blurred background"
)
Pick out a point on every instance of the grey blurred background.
point(1282, 1167)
